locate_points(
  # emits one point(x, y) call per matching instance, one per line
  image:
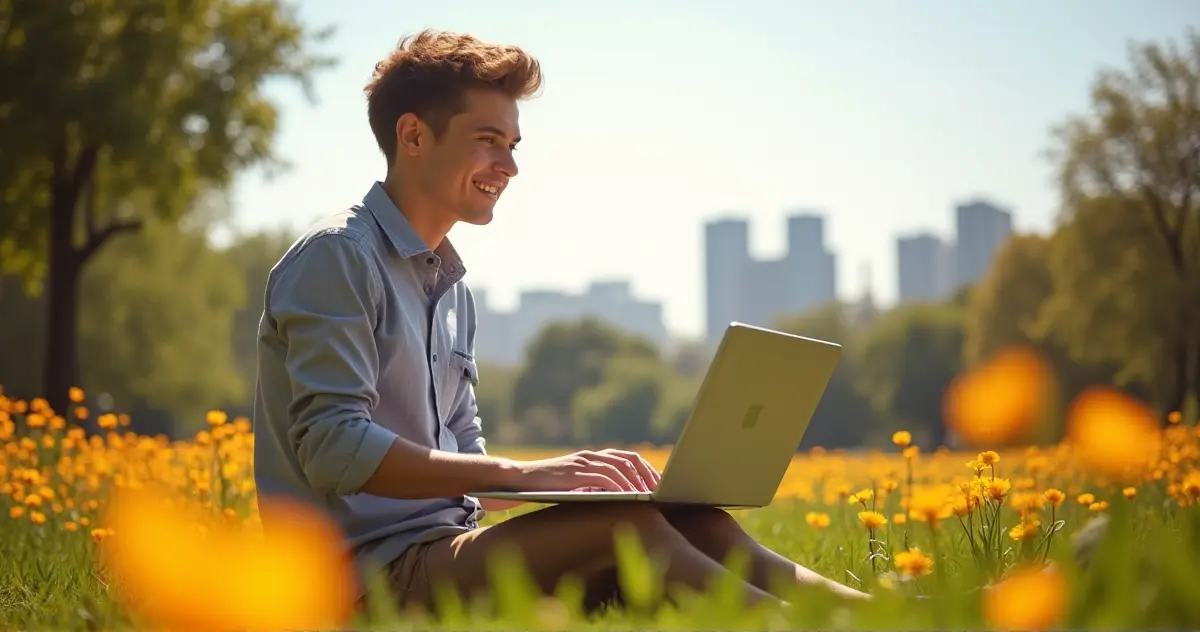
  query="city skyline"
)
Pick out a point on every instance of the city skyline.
point(740, 286)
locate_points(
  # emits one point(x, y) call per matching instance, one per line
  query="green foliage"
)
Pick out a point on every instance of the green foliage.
point(158, 101)
point(1004, 308)
point(844, 418)
point(567, 357)
point(907, 361)
point(155, 304)
point(620, 409)
point(1131, 219)
point(120, 111)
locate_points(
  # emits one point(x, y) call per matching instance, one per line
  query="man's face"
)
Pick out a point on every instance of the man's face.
point(468, 166)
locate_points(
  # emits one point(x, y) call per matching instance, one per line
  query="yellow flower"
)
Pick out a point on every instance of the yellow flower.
point(75, 394)
point(1129, 492)
point(899, 519)
point(911, 452)
point(817, 520)
point(998, 488)
point(215, 418)
point(872, 519)
point(1027, 502)
point(16, 512)
point(988, 459)
point(37, 517)
point(1086, 499)
point(861, 497)
point(914, 563)
point(1024, 531)
point(1099, 506)
point(902, 439)
point(107, 421)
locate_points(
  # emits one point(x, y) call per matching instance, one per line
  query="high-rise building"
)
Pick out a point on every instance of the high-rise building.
point(726, 254)
point(924, 268)
point(811, 263)
point(760, 292)
point(981, 229)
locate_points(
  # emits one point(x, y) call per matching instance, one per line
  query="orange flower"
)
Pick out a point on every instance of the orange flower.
point(1029, 599)
point(1113, 434)
point(999, 401)
point(295, 577)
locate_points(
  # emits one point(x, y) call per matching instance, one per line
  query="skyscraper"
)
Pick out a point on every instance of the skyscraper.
point(981, 229)
point(726, 255)
point(924, 268)
point(813, 278)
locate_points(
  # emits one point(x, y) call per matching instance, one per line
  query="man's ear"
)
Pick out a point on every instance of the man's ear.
point(411, 134)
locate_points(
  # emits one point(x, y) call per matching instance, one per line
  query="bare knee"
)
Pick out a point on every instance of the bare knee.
point(709, 529)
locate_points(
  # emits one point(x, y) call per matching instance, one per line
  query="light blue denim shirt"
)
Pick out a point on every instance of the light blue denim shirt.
point(366, 335)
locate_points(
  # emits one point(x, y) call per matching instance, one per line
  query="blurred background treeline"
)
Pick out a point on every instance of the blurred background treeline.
point(111, 189)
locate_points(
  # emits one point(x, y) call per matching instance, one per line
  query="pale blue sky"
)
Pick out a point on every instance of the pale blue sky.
point(659, 115)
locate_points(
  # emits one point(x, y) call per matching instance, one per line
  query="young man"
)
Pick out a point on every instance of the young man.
point(365, 400)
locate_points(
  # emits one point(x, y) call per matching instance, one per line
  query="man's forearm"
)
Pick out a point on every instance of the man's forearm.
point(411, 471)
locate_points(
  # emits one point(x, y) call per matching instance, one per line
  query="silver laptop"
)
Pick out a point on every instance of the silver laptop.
point(752, 410)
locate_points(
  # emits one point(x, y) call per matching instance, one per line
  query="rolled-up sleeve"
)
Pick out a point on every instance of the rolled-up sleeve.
point(323, 303)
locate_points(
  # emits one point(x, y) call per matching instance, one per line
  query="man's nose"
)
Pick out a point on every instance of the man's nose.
point(507, 165)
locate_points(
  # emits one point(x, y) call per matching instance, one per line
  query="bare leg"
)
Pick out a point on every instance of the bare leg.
point(716, 533)
point(566, 540)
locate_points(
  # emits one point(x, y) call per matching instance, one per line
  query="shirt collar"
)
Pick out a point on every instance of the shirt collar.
point(399, 232)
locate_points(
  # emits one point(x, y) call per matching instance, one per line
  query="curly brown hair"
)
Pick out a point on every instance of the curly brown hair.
point(428, 74)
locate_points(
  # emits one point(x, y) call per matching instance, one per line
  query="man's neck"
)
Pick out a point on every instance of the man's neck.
point(421, 213)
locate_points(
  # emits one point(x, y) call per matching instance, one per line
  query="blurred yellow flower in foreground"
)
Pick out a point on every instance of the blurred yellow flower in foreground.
point(167, 557)
point(1029, 599)
point(1113, 434)
point(997, 403)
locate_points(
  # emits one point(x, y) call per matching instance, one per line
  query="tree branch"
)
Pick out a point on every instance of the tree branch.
point(97, 239)
point(1172, 235)
point(85, 165)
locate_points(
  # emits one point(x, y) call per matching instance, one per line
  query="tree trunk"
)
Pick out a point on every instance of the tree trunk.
point(1182, 378)
point(61, 370)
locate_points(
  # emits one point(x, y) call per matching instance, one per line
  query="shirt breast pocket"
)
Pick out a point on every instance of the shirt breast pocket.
point(466, 371)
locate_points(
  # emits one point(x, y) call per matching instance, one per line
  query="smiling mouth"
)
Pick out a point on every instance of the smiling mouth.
point(488, 190)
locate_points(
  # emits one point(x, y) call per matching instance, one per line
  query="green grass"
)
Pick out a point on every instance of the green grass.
point(1142, 576)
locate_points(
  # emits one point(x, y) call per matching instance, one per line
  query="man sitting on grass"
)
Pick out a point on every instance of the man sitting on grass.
point(365, 398)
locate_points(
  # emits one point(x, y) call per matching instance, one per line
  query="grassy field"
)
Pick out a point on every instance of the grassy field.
point(988, 537)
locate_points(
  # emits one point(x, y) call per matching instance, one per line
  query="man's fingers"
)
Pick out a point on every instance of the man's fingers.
point(611, 471)
point(628, 468)
point(643, 467)
point(589, 481)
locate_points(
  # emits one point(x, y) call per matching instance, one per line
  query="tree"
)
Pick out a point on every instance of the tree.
point(906, 363)
point(843, 418)
point(567, 357)
point(1003, 309)
point(112, 111)
point(253, 255)
point(1129, 175)
point(157, 334)
point(621, 408)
